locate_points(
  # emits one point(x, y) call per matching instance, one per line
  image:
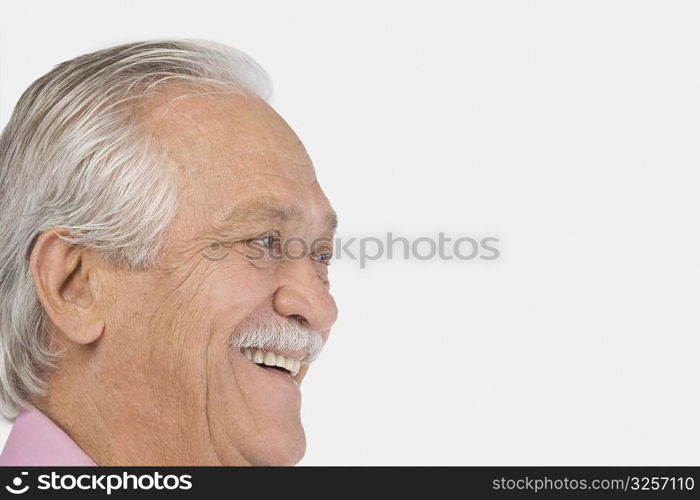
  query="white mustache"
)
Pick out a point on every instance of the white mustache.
point(280, 337)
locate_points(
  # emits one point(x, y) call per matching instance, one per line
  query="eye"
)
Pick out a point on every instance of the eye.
point(262, 247)
point(265, 241)
point(268, 240)
point(323, 258)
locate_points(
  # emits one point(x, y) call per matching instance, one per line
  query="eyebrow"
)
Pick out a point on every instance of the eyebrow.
point(253, 214)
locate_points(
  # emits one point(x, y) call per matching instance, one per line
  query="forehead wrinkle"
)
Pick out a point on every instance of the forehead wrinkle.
point(265, 214)
point(256, 213)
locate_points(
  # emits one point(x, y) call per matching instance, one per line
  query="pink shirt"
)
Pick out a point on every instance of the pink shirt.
point(36, 440)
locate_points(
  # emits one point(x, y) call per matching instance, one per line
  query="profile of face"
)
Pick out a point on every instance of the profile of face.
point(169, 365)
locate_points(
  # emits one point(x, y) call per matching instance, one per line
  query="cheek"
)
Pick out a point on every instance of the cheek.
point(157, 342)
point(234, 290)
point(232, 294)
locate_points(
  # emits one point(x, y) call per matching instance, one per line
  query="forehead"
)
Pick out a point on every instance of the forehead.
point(231, 149)
point(229, 135)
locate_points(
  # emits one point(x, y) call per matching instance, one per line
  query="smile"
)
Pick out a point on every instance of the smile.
point(272, 360)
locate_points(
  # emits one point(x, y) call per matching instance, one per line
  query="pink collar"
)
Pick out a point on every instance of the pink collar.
point(36, 440)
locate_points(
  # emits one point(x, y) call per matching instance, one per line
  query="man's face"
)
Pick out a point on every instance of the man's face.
point(245, 184)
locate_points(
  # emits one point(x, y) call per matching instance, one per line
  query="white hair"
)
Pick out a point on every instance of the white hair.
point(273, 335)
point(74, 155)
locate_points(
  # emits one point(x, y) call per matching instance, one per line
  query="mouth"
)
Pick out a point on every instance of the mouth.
point(273, 361)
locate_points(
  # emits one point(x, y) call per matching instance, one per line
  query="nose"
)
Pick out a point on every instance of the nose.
point(303, 295)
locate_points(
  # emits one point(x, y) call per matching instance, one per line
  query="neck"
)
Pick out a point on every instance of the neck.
point(115, 424)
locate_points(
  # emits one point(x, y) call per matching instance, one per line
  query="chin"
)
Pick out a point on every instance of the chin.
point(282, 448)
point(266, 415)
point(291, 455)
point(273, 452)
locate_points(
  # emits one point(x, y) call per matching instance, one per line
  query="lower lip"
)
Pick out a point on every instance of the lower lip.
point(274, 371)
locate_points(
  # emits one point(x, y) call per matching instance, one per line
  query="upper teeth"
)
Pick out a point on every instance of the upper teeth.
point(269, 358)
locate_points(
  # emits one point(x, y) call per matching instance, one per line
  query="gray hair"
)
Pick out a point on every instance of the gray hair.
point(287, 336)
point(74, 155)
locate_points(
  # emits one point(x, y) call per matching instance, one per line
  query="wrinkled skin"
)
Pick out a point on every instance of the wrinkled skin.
point(147, 375)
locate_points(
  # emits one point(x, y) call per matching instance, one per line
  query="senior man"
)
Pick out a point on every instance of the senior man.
point(150, 310)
